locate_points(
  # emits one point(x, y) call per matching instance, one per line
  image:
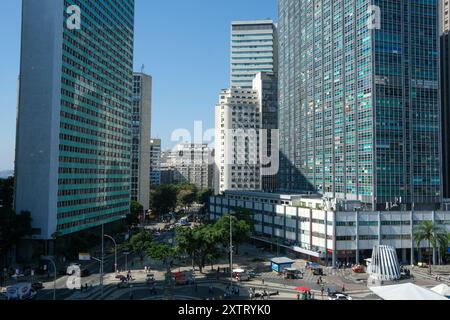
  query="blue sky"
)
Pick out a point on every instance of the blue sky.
point(183, 44)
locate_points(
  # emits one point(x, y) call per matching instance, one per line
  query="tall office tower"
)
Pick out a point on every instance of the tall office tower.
point(445, 95)
point(140, 156)
point(73, 145)
point(266, 85)
point(155, 162)
point(237, 153)
point(253, 49)
point(359, 100)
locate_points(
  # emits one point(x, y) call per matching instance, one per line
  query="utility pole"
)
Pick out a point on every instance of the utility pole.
point(102, 258)
point(231, 252)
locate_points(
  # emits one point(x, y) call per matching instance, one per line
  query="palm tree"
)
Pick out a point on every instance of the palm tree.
point(434, 235)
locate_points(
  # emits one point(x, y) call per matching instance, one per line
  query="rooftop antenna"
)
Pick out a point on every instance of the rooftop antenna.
point(142, 68)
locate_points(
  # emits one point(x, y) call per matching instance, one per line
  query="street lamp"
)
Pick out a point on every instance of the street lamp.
point(101, 272)
point(231, 252)
point(48, 258)
point(115, 251)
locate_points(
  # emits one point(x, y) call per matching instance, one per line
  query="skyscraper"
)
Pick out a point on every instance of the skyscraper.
point(445, 96)
point(73, 145)
point(359, 100)
point(253, 49)
point(141, 129)
point(155, 162)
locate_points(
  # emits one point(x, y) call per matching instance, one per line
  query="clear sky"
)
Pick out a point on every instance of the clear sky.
point(183, 44)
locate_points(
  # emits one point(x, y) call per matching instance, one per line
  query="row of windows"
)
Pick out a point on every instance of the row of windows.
point(91, 220)
point(92, 210)
point(100, 153)
point(75, 192)
point(95, 133)
point(78, 202)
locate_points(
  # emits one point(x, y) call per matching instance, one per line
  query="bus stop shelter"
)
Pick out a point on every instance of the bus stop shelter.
point(280, 264)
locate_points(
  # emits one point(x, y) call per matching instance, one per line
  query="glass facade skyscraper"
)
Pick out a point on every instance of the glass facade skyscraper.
point(253, 50)
point(359, 100)
point(74, 117)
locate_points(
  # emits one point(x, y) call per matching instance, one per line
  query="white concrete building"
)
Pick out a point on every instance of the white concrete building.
point(237, 154)
point(188, 162)
point(141, 133)
point(310, 226)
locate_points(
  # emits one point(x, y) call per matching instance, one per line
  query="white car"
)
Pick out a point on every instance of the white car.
point(339, 296)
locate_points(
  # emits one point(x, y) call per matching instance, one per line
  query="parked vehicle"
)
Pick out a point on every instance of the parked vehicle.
point(339, 296)
point(241, 275)
point(21, 291)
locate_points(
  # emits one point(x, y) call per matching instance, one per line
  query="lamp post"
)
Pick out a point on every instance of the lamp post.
point(54, 270)
point(231, 252)
point(115, 251)
point(101, 272)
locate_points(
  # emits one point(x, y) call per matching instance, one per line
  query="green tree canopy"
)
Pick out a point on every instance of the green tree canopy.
point(241, 230)
point(200, 243)
point(136, 209)
point(163, 199)
point(13, 227)
point(141, 243)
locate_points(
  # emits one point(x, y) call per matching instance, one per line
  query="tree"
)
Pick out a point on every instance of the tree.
point(204, 195)
point(141, 243)
point(136, 209)
point(200, 243)
point(6, 192)
point(163, 199)
point(186, 198)
point(13, 227)
point(244, 214)
point(241, 230)
point(434, 235)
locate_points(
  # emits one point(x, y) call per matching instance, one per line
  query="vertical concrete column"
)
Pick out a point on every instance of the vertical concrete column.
point(333, 258)
point(433, 248)
point(412, 237)
point(357, 237)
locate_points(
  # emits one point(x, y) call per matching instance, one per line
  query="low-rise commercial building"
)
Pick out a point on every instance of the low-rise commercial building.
point(326, 231)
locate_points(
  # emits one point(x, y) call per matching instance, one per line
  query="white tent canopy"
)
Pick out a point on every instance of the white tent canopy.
point(442, 289)
point(407, 291)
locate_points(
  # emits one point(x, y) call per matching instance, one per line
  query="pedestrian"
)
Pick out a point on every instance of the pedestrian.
point(262, 281)
point(86, 287)
point(343, 288)
point(298, 296)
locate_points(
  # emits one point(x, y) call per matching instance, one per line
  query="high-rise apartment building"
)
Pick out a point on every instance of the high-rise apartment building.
point(140, 156)
point(359, 100)
point(155, 162)
point(73, 145)
point(237, 151)
point(253, 49)
point(191, 163)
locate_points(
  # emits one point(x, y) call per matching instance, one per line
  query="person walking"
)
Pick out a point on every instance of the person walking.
point(343, 288)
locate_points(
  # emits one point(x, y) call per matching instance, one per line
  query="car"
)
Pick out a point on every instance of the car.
point(21, 291)
point(339, 296)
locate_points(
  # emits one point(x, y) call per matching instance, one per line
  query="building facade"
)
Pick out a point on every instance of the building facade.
point(445, 96)
point(237, 152)
point(73, 145)
point(140, 156)
point(266, 85)
point(317, 229)
point(155, 162)
point(188, 162)
point(359, 101)
point(253, 49)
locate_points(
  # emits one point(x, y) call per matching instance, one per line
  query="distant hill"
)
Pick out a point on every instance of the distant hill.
point(6, 174)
